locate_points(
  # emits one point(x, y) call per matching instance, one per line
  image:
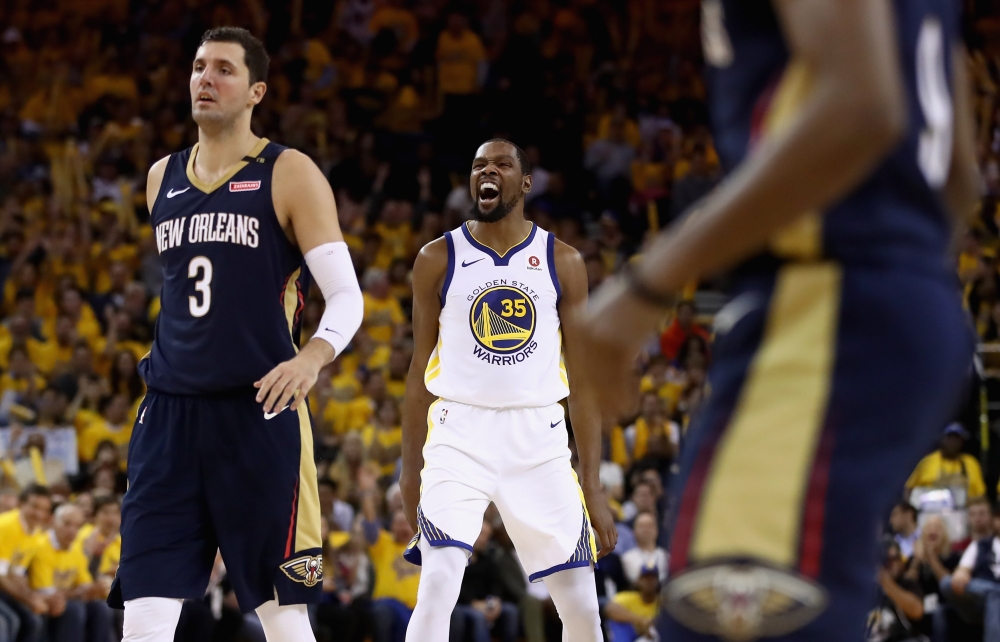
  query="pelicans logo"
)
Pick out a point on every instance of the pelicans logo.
point(307, 570)
point(743, 601)
point(503, 319)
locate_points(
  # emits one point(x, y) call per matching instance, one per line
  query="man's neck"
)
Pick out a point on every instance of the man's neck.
point(218, 151)
point(504, 234)
point(907, 532)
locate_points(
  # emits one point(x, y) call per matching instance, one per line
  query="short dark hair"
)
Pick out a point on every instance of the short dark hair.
point(907, 507)
point(522, 158)
point(105, 500)
point(254, 54)
point(33, 490)
point(982, 499)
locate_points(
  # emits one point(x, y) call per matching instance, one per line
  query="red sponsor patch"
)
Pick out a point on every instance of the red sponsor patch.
point(244, 186)
point(534, 261)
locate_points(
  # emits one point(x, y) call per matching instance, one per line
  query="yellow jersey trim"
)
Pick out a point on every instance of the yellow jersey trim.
point(208, 188)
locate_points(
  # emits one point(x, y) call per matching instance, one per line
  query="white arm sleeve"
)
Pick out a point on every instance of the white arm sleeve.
point(331, 266)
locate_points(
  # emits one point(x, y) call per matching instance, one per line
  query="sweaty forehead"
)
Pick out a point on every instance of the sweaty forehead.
point(496, 151)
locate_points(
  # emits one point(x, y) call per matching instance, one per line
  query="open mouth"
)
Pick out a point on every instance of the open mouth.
point(489, 192)
point(204, 98)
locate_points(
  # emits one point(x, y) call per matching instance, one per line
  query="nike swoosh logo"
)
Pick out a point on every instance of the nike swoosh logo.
point(555, 424)
point(172, 193)
point(464, 264)
point(271, 415)
point(333, 331)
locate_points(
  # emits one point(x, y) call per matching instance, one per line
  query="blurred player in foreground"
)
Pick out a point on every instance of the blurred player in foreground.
point(846, 128)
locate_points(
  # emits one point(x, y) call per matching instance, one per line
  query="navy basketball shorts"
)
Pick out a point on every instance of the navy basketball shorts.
point(828, 385)
point(210, 473)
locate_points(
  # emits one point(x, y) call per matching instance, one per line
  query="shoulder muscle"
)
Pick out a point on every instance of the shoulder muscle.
point(304, 201)
point(154, 179)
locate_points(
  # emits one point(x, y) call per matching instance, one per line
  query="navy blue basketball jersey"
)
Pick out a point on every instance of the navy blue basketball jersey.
point(233, 283)
point(896, 217)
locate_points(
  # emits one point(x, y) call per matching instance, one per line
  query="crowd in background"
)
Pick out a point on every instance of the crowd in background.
point(390, 98)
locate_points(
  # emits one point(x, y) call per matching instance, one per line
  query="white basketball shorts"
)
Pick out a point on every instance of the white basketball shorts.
point(519, 459)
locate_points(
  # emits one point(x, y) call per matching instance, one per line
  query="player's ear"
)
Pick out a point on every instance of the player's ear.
point(526, 183)
point(257, 91)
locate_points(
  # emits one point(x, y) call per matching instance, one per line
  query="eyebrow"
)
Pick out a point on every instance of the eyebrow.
point(485, 158)
point(221, 61)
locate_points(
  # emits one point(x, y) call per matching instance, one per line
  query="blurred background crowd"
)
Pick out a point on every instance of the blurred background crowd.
point(390, 98)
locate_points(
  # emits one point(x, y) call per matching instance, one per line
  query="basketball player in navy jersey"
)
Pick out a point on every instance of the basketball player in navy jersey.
point(845, 128)
point(221, 454)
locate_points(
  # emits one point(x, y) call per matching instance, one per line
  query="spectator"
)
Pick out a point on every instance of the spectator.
point(631, 614)
point(974, 588)
point(651, 436)
point(516, 588)
point(18, 603)
point(903, 521)
point(900, 603)
point(646, 553)
point(933, 560)
point(396, 580)
point(980, 521)
point(610, 159)
point(342, 612)
point(94, 539)
point(58, 573)
point(682, 327)
point(699, 181)
point(949, 467)
point(480, 613)
point(643, 500)
point(382, 312)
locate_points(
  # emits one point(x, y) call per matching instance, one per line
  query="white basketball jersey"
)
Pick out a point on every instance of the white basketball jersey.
point(499, 343)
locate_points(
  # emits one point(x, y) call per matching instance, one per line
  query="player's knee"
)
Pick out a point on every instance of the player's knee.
point(441, 573)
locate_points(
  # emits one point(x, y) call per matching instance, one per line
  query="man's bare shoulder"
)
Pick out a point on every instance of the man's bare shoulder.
point(296, 167)
point(154, 179)
point(431, 263)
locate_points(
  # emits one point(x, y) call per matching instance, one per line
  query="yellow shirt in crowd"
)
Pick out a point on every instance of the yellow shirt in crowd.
point(99, 431)
point(110, 557)
point(632, 601)
point(386, 439)
point(381, 315)
point(458, 62)
point(50, 567)
point(13, 538)
point(394, 576)
point(936, 471)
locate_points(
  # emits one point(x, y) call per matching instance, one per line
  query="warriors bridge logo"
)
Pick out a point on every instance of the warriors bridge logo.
point(503, 322)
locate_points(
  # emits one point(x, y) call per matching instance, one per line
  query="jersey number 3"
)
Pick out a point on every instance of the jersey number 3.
point(201, 268)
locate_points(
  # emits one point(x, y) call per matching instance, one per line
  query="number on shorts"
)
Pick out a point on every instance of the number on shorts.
point(934, 153)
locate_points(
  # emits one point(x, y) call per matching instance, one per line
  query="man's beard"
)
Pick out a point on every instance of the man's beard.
point(498, 214)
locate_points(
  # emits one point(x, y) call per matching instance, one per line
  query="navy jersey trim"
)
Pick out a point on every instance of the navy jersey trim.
point(208, 188)
point(451, 267)
point(499, 259)
point(550, 253)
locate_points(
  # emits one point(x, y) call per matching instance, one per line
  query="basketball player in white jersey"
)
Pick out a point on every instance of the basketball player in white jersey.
point(493, 302)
